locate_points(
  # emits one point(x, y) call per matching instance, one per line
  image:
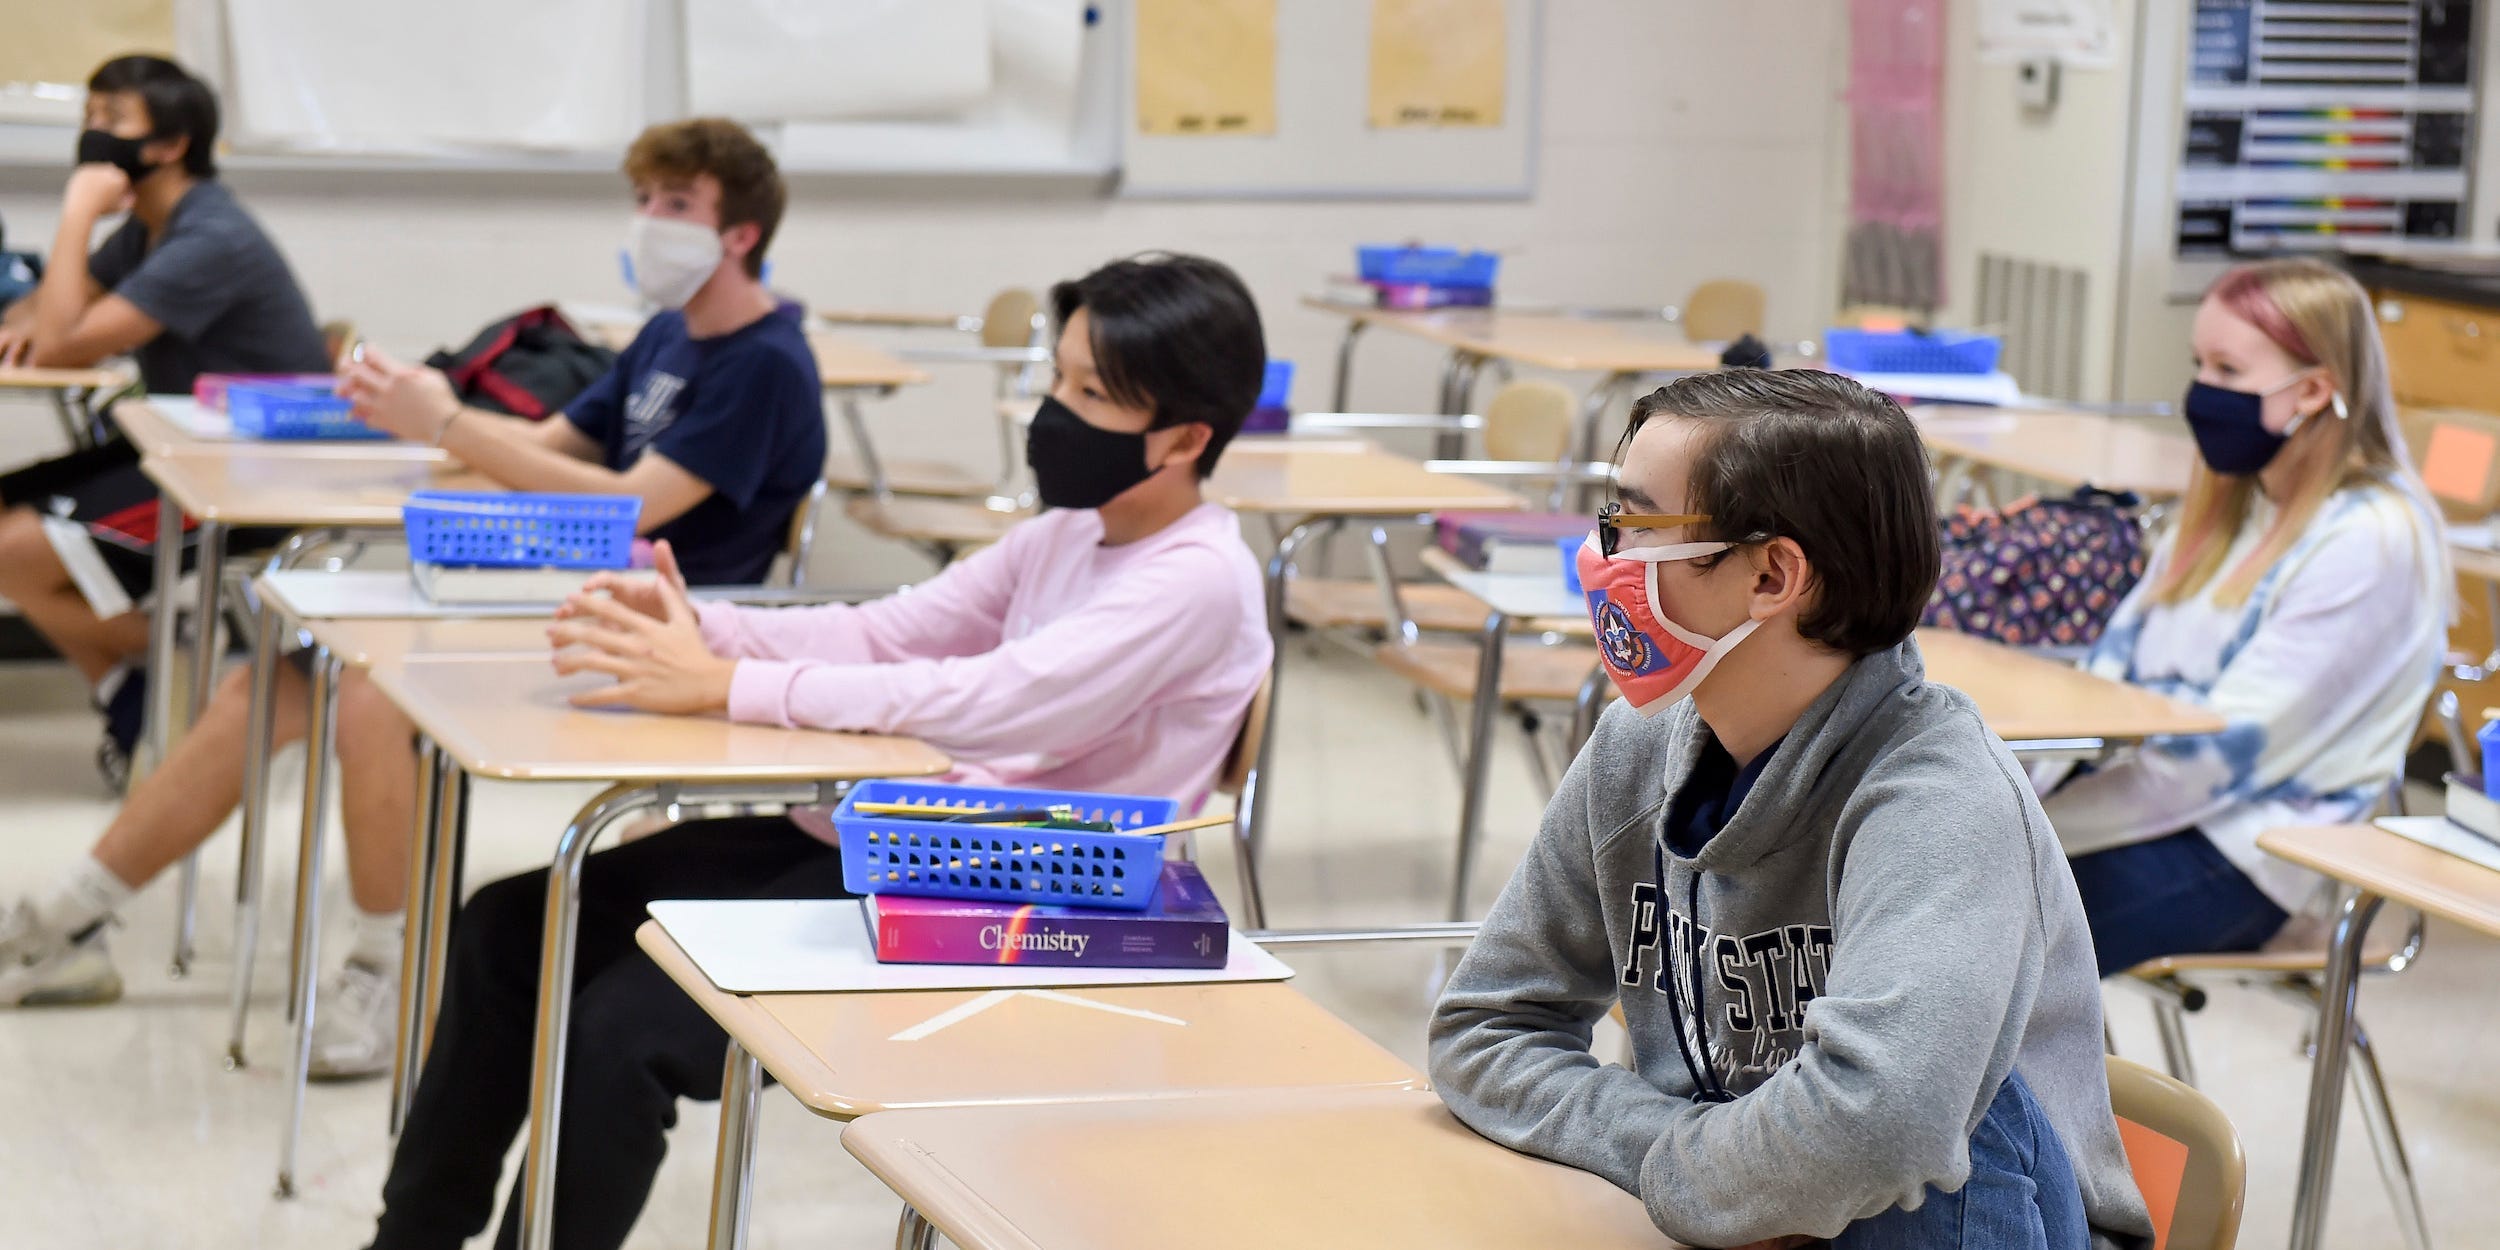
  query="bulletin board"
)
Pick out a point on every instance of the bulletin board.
point(1324, 140)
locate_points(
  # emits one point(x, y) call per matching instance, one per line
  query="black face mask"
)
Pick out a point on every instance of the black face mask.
point(1078, 465)
point(103, 147)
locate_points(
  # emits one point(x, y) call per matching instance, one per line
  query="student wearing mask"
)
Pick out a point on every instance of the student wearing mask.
point(187, 284)
point(1857, 980)
point(2299, 595)
point(1109, 644)
point(712, 416)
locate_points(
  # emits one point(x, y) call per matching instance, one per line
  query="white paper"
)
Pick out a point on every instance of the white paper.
point(2441, 834)
point(193, 417)
point(789, 60)
point(373, 594)
point(1959, 388)
point(820, 946)
point(1028, 120)
point(2080, 33)
point(448, 76)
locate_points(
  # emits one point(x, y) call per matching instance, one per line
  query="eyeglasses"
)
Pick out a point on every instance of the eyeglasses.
point(1612, 520)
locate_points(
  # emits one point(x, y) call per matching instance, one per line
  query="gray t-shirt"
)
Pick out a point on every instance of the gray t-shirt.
point(225, 296)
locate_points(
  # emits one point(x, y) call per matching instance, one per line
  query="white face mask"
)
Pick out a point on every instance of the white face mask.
point(671, 259)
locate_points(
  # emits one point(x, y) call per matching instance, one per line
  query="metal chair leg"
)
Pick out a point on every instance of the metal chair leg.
point(1246, 849)
point(248, 875)
point(915, 1232)
point(2171, 1020)
point(317, 745)
point(205, 633)
point(2395, 1169)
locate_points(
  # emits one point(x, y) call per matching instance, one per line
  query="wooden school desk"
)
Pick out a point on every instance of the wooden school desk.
point(1388, 1170)
point(506, 718)
point(2382, 867)
point(2042, 708)
point(1319, 485)
point(2064, 449)
point(849, 1055)
point(224, 489)
point(73, 393)
point(1620, 350)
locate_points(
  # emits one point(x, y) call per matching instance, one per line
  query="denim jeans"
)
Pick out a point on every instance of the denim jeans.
point(2170, 896)
point(2021, 1194)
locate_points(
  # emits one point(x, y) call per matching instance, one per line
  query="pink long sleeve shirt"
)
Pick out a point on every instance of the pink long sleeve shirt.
point(1048, 660)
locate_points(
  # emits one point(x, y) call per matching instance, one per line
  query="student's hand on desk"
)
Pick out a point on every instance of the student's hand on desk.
point(645, 594)
point(14, 344)
point(95, 191)
point(660, 663)
point(400, 399)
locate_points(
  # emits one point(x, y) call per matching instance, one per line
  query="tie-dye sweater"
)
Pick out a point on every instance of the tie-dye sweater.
point(2320, 675)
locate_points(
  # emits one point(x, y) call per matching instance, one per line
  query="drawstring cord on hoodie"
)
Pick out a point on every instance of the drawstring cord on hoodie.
point(1707, 1087)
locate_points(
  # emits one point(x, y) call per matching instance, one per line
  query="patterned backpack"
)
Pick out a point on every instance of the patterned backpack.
point(2038, 572)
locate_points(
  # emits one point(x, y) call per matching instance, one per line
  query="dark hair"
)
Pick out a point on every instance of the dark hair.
point(1818, 459)
point(177, 104)
point(1176, 335)
point(751, 189)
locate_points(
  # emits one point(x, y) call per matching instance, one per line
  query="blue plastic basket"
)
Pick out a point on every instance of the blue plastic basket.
point(1066, 868)
point(519, 530)
point(1435, 266)
point(1907, 351)
point(1277, 386)
point(292, 410)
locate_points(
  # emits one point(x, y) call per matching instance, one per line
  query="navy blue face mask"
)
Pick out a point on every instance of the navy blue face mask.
point(2230, 426)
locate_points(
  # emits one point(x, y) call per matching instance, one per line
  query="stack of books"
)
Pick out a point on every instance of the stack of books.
point(1184, 927)
point(963, 875)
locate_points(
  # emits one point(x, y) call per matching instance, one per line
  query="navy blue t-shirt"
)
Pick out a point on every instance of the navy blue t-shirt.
point(1710, 795)
point(744, 411)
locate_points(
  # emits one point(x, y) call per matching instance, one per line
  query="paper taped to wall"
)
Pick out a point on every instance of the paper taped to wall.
point(382, 78)
point(836, 60)
point(1206, 67)
point(1437, 63)
point(61, 44)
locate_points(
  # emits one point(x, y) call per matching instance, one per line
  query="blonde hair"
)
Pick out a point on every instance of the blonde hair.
point(2321, 318)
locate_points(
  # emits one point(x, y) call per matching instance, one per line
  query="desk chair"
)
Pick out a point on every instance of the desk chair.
point(1527, 423)
point(1720, 310)
point(1013, 337)
point(2185, 1155)
point(2296, 975)
point(1240, 780)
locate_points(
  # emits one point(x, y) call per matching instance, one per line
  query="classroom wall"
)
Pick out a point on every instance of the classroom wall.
point(1680, 142)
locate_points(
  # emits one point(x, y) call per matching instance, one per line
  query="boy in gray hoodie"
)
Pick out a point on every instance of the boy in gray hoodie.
point(1859, 985)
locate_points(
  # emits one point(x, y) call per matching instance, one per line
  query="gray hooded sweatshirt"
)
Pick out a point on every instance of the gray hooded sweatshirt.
point(1887, 928)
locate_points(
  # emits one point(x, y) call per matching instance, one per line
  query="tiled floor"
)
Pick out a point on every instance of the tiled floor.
point(119, 1126)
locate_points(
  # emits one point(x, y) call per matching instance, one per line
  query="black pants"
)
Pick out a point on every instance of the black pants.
point(638, 1044)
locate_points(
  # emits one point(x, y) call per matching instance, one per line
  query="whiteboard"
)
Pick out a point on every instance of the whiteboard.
point(1324, 146)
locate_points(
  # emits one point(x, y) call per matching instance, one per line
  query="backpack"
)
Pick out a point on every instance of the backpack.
point(2038, 572)
point(530, 365)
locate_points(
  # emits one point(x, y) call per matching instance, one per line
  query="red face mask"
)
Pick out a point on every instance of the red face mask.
point(1653, 660)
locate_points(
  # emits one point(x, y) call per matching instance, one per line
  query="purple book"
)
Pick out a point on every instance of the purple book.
point(1184, 928)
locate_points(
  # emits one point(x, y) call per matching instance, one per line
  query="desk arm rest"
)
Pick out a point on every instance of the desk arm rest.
point(1385, 421)
point(788, 596)
point(1533, 470)
point(975, 355)
point(899, 320)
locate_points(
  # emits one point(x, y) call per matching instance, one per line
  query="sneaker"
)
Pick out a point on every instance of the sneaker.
point(355, 1023)
point(41, 967)
point(125, 709)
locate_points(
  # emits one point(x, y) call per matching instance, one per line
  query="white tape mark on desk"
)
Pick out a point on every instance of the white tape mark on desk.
point(963, 1011)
